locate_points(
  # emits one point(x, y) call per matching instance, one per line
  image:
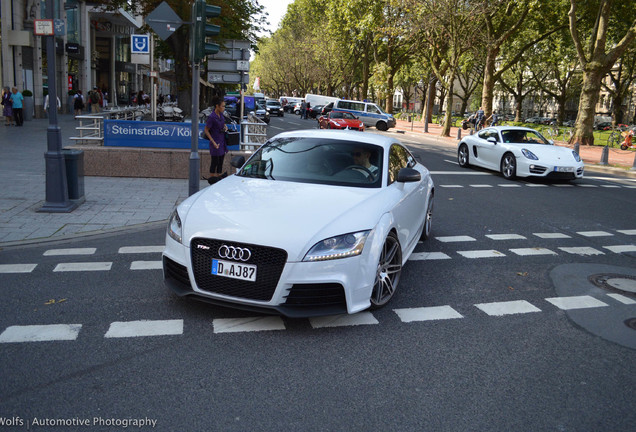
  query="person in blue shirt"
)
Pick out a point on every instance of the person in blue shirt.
point(16, 100)
point(214, 131)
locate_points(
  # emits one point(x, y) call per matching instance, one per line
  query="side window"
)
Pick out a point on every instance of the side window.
point(399, 158)
point(373, 109)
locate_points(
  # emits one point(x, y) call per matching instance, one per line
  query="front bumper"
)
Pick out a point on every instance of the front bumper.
point(561, 172)
point(303, 289)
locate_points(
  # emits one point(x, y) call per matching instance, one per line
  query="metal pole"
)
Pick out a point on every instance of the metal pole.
point(153, 90)
point(195, 164)
point(56, 185)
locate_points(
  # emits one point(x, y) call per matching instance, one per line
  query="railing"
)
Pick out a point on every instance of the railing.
point(254, 133)
point(91, 126)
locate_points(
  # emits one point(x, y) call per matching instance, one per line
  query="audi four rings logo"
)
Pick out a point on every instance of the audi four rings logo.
point(235, 253)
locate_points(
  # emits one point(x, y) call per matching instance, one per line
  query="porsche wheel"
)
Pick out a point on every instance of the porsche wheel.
point(388, 272)
point(463, 156)
point(509, 166)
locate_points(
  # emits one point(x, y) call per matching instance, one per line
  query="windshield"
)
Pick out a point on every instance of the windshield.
point(317, 160)
point(520, 136)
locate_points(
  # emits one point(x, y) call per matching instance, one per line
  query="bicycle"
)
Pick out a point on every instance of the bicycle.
point(567, 134)
point(614, 138)
point(553, 132)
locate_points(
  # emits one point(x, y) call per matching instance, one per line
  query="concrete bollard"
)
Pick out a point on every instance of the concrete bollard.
point(604, 156)
point(459, 133)
point(577, 147)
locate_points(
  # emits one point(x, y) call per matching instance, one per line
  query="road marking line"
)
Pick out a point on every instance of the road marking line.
point(451, 239)
point(144, 328)
point(552, 235)
point(594, 233)
point(468, 173)
point(627, 232)
point(75, 251)
point(533, 251)
point(509, 185)
point(588, 185)
point(17, 268)
point(576, 302)
point(481, 254)
point(505, 237)
point(432, 313)
point(146, 265)
point(535, 185)
point(581, 250)
point(623, 299)
point(480, 185)
point(40, 333)
point(563, 185)
point(141, 249)
point(507, 308)
point(424, 256)
point(252, 324)
point(621, 248)
point(86, 266)
point(451, 186)
point(611, 186)
point(361, 318)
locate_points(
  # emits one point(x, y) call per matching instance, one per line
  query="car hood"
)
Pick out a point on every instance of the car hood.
point(550, 153)
point(288, 215)
point(348, 122)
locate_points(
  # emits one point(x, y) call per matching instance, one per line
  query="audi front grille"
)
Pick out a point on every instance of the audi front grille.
point(269, 266)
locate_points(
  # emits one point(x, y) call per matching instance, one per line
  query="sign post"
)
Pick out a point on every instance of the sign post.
point(57, 200)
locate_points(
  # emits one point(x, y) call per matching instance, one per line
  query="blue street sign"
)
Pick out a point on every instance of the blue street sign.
point(140, 44)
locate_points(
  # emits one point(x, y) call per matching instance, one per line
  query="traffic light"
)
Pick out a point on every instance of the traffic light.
point(201, 29)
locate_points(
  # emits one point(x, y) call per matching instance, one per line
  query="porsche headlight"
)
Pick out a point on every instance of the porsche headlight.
point(527, 153)
point(576, 156)
point(343, 246)
point(174, 226)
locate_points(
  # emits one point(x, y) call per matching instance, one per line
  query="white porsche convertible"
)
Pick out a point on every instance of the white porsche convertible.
point(519, 152)
point(314, 223)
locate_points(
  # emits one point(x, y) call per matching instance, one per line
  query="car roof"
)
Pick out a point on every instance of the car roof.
point(362, 137)
point(510, 128)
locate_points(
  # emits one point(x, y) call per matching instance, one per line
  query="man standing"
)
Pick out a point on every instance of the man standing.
point(479, 119)
point(94, 98)
point(16, 99)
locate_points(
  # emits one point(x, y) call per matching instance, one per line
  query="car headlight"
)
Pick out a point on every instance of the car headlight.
point(342, 246)
point(174, 226)
point(576, 156)
point(527, 153)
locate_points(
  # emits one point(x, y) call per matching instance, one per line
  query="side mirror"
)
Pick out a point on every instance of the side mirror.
point(492, 140)
point(237, 161)
point(408, 175)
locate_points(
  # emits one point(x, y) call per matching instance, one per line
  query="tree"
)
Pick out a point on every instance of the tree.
point(595, 57)
point(621, 77)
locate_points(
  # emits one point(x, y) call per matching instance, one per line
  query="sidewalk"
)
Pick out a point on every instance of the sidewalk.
point(619, 161)
point(110, 202)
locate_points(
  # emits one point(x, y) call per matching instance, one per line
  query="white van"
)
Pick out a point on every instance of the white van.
point(369, 113)
point(315, 100)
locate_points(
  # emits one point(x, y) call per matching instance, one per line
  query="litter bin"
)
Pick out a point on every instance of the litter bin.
point(74, 161)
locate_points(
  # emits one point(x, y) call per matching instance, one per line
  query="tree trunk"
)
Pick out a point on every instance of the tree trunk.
point(489, 81)
point(584, 129)
point(449, 106)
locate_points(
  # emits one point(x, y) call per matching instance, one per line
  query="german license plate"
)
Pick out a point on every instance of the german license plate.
point(564, 169)
point(234, 270)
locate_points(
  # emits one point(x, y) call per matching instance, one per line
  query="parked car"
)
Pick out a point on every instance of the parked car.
point(537, 120)
point(261, 112)
point(340, 120)
point(315, 222)
point(274, 107)
point(519, 152)
point(314, 111)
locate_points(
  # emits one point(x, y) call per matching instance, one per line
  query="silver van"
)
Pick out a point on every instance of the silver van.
point(369, 113)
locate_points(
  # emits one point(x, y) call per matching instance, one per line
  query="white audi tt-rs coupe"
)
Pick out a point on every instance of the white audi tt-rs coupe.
point(519, 152)
point(314, 223)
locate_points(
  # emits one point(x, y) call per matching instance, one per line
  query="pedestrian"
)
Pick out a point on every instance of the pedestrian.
point(7, 103)
point(307, 109)
point(78, 102)
point(214, 131)
point(46, 103)
point(16, 104)
point(93, 98)
point(493, 119)
point(303, 109)
point(479, 118)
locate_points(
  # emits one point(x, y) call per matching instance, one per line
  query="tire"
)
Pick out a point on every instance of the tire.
point(381, 126)
point(428, 220)
point(623, 147)
point(509, 166)
point(463, 156)
point(388, 272)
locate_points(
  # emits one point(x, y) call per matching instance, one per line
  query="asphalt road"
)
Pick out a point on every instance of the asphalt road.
point(509, 318)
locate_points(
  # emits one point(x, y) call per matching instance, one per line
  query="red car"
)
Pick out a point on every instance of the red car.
point(340, 120)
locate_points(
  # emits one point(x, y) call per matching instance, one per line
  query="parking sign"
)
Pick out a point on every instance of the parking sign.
point(140, 44)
